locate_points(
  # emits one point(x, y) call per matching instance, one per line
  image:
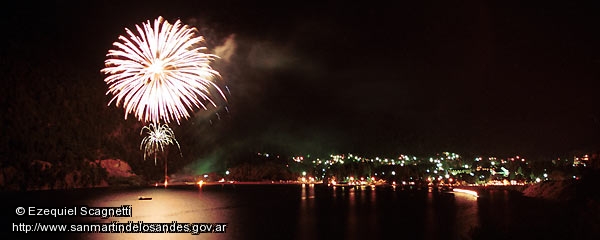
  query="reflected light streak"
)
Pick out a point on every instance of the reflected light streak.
point(473, 193)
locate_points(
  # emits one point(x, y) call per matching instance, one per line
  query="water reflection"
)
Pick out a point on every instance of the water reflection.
point(357, 212)
point(304, 211)
point(308, 191)
point(167, 205)
point(497, 203)
point(306, 227)
point(467, 214)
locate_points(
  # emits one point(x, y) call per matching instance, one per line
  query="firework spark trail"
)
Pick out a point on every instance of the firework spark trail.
point(159, 136)
point(161, 73)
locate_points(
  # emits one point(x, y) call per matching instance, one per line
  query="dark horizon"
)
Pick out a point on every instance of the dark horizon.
point(368, 78)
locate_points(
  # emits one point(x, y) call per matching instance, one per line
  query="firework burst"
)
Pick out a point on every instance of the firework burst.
point(161, 73)
point(159, 136)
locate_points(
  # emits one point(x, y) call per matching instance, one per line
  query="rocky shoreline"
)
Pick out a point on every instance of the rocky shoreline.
point(581, 196)
point(99, 173)
point(569, 190)
point(552, 190)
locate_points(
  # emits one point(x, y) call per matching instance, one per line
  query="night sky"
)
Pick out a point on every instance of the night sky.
point(369, 77)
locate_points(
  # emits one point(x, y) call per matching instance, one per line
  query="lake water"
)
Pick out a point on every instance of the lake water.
point(279, 211)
